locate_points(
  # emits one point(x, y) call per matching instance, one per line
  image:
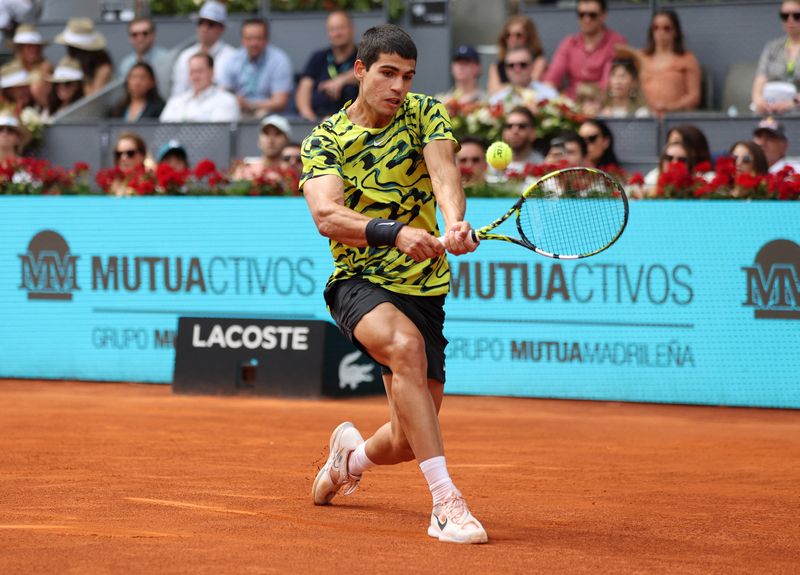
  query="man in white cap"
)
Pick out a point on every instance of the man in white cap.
point(204, 101)
point(210, 28)
point(770, 136)
point(274, 136)
point(259, 73)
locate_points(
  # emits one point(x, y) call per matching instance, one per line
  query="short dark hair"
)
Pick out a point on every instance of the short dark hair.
point(205, 56)
point(522, 110)
point(385, 39)
point(473, 140)
point(258, 21)
point(141, 19)
point(602, 3)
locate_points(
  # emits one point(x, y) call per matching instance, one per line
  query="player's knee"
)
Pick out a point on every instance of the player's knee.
point(408, 348)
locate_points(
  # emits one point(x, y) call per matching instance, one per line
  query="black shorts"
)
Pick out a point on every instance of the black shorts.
point(351, 299)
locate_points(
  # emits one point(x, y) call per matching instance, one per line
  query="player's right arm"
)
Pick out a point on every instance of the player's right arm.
point(325, 197)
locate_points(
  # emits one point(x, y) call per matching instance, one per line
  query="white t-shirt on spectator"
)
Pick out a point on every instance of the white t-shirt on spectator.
point(221, 52)
point(214, 104)
point(782, 163)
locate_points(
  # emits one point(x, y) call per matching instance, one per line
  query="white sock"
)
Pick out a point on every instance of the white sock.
point(359, 462)
point(439, 482)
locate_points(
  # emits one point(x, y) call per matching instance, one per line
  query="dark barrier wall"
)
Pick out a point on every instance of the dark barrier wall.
point(698, 302)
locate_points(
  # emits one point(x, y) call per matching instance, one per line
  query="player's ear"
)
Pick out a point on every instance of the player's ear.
point(359, 69)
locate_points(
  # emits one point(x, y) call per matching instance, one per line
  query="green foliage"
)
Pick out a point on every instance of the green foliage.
point(167, 7)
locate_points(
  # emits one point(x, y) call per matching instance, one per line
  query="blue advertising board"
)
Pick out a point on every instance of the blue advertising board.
point(698, 302)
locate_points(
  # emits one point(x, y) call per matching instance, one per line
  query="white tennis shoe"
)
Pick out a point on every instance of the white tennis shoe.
point(451, 521)
point(334, 475)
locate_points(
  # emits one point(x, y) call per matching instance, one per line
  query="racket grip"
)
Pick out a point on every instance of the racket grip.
point(474, 237)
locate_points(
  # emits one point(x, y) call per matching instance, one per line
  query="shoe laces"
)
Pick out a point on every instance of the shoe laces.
point(350, 484)
point(456, 508)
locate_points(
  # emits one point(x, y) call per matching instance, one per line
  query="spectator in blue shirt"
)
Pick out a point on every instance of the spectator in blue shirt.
point(328, 81)
point(260, 75)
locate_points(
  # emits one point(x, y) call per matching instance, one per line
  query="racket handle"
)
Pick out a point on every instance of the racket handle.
point(474, 237)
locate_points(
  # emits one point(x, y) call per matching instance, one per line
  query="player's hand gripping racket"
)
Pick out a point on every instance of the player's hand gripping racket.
point(567, 214)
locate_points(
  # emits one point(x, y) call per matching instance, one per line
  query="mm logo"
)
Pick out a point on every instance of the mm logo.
point(773, 282)
point(48, 268)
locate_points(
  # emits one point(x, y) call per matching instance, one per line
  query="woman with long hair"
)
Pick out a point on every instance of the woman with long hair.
point(599, 144)
point(518, 32)
point(624, 94)
point(141, 99)
point(66, 85)
point(749, 158)
point(87, 46)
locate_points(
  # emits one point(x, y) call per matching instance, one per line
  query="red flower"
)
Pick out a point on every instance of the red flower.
point(703, 167)
point(80, 167)
point(204, 168)
point(636, 179)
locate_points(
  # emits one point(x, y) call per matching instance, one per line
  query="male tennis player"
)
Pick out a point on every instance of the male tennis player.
point(373, 174)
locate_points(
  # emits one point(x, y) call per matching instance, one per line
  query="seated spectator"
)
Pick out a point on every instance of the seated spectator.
point(141, 100)
point(589, 99)
point(142, 37)
point(291, 158)
point(13, 136)
point(585, 57)
point(465, 67)
point(471, 160)
point(670, 74)
point(29, 52)
point(672, 153)
point(522, 89)
point(518, 32)
point(16, 86)
point(275, 135)
point(694, 140)
point(567, 149)
point(130, 157)
point(624, 97)
point(259, 74)
point(777, 81)
point(519, 132)
point(210, 28)
point(771, 138)
point(328, 82)
point(749, 158)
point(174, 155)
point(204, 101)
point(87, 46)
point(66, 85)
point(599, 145)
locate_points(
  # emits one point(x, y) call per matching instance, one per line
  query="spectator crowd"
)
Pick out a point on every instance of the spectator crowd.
point(594, 74)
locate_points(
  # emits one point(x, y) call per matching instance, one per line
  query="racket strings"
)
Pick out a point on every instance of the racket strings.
point(575, 212)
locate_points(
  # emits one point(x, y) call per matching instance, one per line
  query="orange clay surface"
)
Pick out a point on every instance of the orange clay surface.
point(128, 478)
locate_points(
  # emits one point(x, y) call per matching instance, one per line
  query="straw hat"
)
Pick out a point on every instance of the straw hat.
point(7, 118)
point(13, 74)
point(80, 33)
point(28, 34)
point(68, 70)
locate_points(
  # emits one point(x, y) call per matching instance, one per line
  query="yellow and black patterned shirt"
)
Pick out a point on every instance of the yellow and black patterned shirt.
point(384, 176)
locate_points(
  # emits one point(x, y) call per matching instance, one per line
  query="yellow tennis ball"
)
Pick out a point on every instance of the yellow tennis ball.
point(498, 155)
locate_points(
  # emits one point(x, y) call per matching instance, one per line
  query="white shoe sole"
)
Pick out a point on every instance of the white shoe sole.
point(475, 538)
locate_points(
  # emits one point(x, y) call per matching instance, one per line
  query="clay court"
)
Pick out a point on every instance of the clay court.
point(128, 478)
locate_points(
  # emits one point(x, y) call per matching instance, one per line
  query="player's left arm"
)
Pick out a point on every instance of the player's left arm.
point(446, 181)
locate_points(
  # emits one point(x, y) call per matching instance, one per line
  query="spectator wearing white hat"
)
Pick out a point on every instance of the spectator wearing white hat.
point(259, 73)
point(210, 28)
point(274, 136)
point(204, 101)
point(771, 137)
point(15, 82)
point(88, 46)
point(13, 136)
point(66, 85)
point(29, 52)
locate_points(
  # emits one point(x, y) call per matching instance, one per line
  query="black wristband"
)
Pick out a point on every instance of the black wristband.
point(381, 232)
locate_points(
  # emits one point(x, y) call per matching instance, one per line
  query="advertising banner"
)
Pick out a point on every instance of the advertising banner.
point(698, 302)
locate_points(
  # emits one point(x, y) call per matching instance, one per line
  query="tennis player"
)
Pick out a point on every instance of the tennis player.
point(373, 174)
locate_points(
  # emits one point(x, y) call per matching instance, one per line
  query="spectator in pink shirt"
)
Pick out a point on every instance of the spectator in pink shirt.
point(585, 57)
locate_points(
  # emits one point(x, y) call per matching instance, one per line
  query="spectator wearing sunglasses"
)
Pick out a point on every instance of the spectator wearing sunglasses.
point(522, 89)
point(670, 74)
point(749, 158)
point(777, 80)
point(599, 144)
point(130, 157)
point(518, 32)
point(771, 138)
point(291, 158)
point(210, 28)
point(142, 37)
point(585, 57)
point(672, 153)
point(519, 132)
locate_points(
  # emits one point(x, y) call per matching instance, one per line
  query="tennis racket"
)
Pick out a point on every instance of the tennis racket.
point(567, 214)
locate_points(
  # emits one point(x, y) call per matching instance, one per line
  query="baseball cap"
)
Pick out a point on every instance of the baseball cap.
point(212, 10)
point(172, 146)
point(279, 122)
point(771, 126)
point(466, 52)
